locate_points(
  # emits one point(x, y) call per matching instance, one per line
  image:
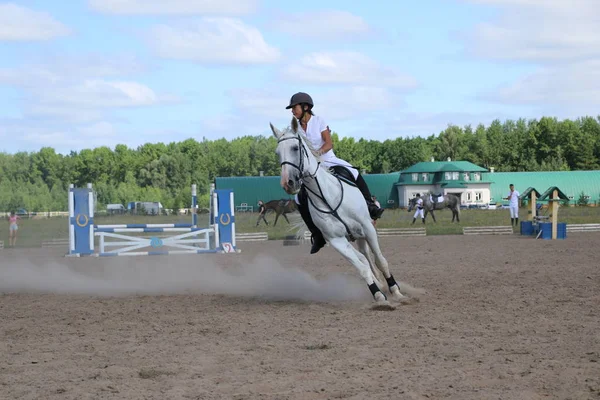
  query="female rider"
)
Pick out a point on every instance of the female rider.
point(318, 134)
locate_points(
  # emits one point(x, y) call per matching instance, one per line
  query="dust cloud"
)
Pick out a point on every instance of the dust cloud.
point(260, 277)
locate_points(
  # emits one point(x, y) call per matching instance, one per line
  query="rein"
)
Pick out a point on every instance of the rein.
point(332, 211)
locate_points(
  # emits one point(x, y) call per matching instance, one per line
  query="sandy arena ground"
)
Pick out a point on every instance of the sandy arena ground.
point(504, 317)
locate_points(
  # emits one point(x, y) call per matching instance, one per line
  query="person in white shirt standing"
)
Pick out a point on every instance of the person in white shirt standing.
point(317, 132)
point(419, 207)
point(513, 205)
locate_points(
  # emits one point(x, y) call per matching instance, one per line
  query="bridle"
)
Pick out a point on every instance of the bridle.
point(303, 153)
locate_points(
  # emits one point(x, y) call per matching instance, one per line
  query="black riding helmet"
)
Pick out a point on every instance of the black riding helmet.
point(301, 98)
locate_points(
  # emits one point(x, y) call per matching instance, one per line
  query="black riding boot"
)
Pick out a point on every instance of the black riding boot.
point(374, 211)
point(317, 239)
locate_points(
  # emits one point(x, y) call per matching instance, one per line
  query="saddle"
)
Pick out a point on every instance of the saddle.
point(343, 174)
point(340, 172)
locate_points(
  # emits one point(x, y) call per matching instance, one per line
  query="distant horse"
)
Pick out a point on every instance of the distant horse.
point(429, 205)
point(281, 207)
point(338, 209)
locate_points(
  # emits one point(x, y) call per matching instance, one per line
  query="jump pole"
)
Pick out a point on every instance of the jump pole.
point(82, 230)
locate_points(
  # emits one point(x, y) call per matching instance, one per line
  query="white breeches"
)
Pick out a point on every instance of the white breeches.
point(419, 212)
point(331, 162)
point(514, 211)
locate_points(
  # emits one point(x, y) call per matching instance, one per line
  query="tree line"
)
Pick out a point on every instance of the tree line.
point(39, 181)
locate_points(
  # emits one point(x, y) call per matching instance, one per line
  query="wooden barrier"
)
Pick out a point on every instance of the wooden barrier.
point(401, 232)
point(488, 230)
point(55, 242)
point(251, 237)
point(583, 227)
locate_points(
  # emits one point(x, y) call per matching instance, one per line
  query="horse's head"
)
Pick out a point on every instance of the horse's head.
point(412, 203)
point(295, 158)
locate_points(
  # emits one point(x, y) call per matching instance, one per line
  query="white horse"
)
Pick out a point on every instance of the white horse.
point(338, 209)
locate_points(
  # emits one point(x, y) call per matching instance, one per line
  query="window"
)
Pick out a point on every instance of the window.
point(413, 194)
point(466, 176)
point(425, 176)
point(452, 176)
point(415, 177)
point(477, 176)
point(478, 196)
point(469, 196)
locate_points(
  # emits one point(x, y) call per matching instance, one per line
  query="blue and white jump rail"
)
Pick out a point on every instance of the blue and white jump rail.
point(218, 237)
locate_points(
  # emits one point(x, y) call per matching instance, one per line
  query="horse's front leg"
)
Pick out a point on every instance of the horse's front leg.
point(276, 218)
point(286, 218)
point(349, 252)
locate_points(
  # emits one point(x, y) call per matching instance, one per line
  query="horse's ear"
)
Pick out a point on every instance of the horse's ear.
point(275, 131)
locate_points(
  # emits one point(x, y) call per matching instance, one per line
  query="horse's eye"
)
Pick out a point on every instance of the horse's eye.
point(295, 148)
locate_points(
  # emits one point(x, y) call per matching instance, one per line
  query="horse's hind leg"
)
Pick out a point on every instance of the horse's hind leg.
point(365, 255)
point(286, 218)
point(382, 264)
point(433, 216)
point(276, 218)
point(349, 252)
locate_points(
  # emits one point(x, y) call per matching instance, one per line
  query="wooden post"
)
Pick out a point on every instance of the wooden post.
point(554, 214)
point(533, 205)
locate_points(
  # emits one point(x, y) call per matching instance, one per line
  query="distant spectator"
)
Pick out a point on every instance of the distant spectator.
point(13, 228)
point(261, 213)
point(513, 198)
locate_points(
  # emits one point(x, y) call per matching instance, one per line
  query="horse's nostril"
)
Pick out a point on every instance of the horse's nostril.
point(290, 183)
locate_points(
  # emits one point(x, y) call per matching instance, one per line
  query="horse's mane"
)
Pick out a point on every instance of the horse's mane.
point(294, 128)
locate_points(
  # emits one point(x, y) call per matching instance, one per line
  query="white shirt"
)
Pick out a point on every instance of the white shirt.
point(419, 203)
point(314, 127)
point(514, 198)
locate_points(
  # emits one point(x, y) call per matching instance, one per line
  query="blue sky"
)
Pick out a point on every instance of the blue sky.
point(88, 73)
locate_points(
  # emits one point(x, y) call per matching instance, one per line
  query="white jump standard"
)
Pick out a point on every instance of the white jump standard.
point(218, 237)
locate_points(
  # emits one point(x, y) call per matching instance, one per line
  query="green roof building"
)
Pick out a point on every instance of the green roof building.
point(461, 178)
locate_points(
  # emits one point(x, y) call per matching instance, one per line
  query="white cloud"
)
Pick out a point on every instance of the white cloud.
point(101, 94)
point(22, 24)
point(253, 109)
point(24, 134)
point(213, 40)
point(346, 68)
point(352, 102)
point(562, 38)
point(323, 25)
point(68, 69)
point(538, 31)
point(573, 84)
point(71, 101)
point(341, 102)
point(174, 7)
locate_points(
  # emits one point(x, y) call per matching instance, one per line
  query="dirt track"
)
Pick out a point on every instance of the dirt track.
point(504, 318)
